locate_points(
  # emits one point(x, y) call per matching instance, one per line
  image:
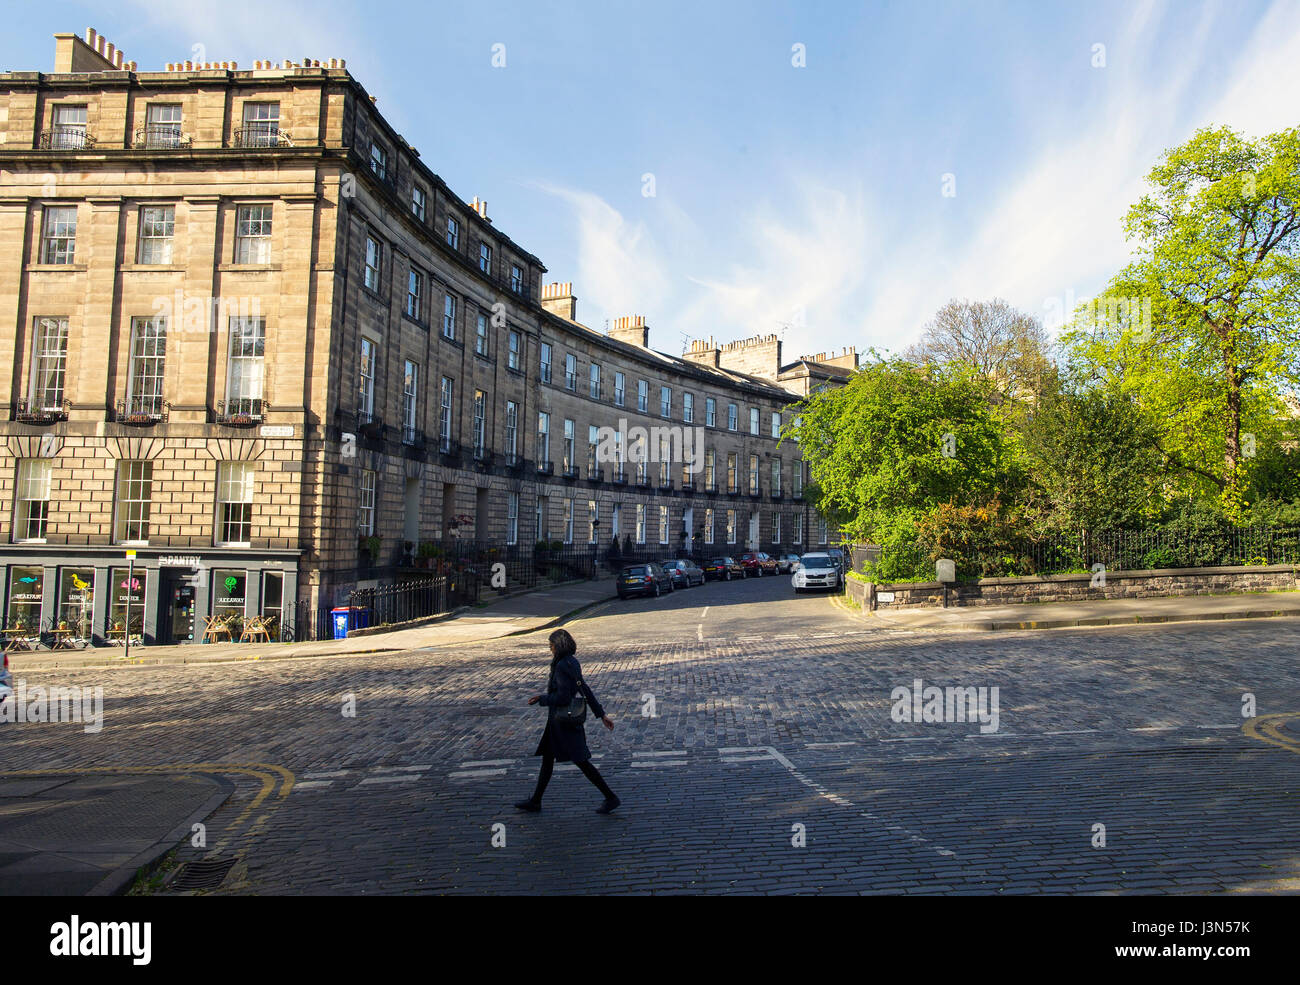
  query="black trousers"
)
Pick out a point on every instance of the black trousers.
point(588, 770)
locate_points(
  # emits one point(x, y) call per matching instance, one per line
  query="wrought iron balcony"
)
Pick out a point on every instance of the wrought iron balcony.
point(369, 424)
point(619, 477)
point(240, 412)
point(483, 460)
point(412, 437)
point(41, 412)
point(142, 411)
point(259, 135)
point(570, 470)
point(595, 473)
point(449, 451)
point(545, 468)
point(162, 136)
point(66, 138)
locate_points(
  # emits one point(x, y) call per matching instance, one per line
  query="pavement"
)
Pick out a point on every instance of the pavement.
point(67, 833)
point(1107, 612)
point(510, 615)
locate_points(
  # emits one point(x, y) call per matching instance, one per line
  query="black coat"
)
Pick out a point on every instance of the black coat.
point(567, 743)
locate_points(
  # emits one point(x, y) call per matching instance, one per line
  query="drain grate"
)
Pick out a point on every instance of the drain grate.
point(204, 874)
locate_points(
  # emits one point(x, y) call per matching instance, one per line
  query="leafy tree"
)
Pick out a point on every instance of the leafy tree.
point(1094, 455)
point(1218, 260)
point(998, 342)
point(900, 437)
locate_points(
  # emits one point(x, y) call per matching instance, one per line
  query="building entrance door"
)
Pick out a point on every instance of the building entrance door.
point(177, 594)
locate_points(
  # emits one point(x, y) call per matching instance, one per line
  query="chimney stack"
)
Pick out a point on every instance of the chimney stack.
point(630, 329)
point(558, 299)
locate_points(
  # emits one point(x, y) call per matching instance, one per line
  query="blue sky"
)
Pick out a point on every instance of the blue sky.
point(800, 200)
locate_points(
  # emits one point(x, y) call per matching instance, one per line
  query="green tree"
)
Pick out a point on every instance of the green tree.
point(1094, 454)
point(899, 439)
point(1218, 262)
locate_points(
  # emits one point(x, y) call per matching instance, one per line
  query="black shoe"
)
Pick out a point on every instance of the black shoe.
point(608, 807)
point(531, 806)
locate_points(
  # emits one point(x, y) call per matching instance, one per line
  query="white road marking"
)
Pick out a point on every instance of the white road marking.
point(1153, 728)
point(473, 774)
point(312, 784)
point(748, 759)
point(916, 738)
point(699, 632)
point(658, 762)
point(407, 778)
point(669, 752)
point(1001, 735)
point(829, 745)
point(313, 776)
point(403, 769)
point(835, 798)
point(1234, 727)
point(486, 762)
point(705, 612)
point(1077, 731)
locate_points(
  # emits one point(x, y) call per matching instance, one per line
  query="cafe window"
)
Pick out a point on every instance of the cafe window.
point(77, 601)
point(229, 589)
point(127, 594)
point(25, 588)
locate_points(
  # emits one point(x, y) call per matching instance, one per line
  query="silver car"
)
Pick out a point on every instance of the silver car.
point(815, 571)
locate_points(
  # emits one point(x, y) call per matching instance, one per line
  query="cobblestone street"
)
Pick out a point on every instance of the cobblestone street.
point(742, 713)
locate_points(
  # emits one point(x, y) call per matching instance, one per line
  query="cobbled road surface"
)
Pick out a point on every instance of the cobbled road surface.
point(754, 750)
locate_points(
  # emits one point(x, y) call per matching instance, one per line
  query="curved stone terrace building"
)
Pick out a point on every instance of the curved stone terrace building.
point(250, 330)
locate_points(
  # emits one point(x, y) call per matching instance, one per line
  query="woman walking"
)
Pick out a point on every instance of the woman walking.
point(561, 741)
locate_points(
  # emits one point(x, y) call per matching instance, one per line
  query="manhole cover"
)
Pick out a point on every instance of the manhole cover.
point(204, 874)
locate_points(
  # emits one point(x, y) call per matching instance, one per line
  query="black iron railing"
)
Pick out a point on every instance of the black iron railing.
point(162, 136)
point(142, 410)
point(257, 135)
point(41, 411)
point(239, 411)
point(66, 138)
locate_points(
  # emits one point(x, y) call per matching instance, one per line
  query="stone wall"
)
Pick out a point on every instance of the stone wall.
point(1080, 587)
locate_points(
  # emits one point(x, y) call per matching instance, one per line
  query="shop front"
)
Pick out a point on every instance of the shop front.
point(85, 596)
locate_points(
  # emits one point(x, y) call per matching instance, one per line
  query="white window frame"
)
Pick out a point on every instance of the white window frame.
point(512, 518)
point(449, 317)
point(665, 520)
point(32, 486)
point(366, 377)
point(708, 525)
point(235, 489)
point(254, 226)
point(731, 526)
point(516, 345)
point(366, 485)
point(374, 263)
point(146, 366)
point(49, 363)
point(132, 501)
point(414, 293)
point(480, 423)
point(410, 399)
point(446, 405)
point(59, 235)
point(481, 335)
point(640, 523)
point(453, 232)
point(156, 237)
point(419, 202)
point(688, 408)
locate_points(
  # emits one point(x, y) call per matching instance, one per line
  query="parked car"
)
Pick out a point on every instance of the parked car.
point(785, 563)
point(643, 579)
point(757, 563)
point(816, 571)
point(684, 573)
point(837, 555)
point(724, 569)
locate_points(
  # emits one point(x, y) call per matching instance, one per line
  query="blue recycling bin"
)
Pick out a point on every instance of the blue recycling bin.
point(345, 618)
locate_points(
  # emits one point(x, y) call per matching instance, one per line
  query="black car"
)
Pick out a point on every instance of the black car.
point(643, 579)
point(724, 569)
point(684, 573)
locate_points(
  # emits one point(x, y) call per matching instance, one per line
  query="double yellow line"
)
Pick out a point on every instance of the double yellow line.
point(274, 785)
point(1268, 728)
